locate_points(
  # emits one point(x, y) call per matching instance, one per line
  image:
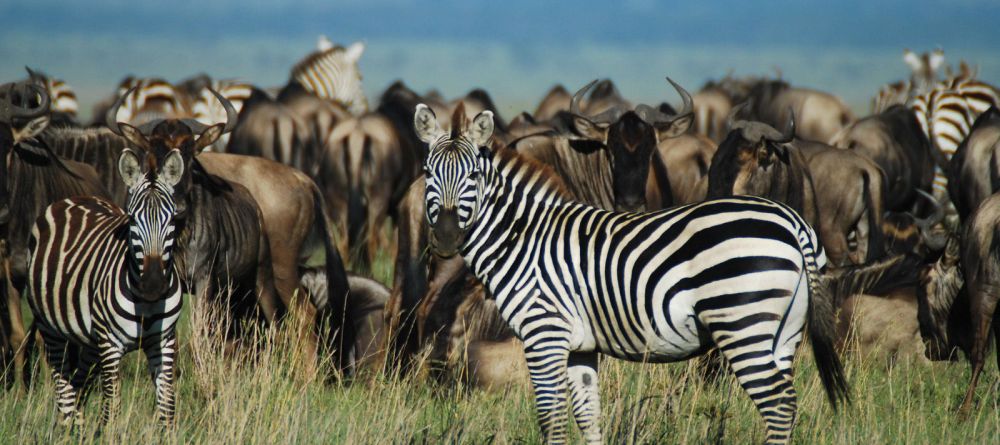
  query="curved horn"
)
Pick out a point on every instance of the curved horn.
point(231, 114)
point(789, 133)
point(933, 241)
point(574, 104)
point(33, 75)
point(111, 118)
point(685, 97)
point(735, 111)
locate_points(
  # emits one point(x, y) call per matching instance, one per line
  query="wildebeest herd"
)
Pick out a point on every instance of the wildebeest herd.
point(740, 222)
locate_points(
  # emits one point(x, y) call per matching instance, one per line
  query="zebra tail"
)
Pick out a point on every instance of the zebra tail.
point(822, 337)
point(342, 333)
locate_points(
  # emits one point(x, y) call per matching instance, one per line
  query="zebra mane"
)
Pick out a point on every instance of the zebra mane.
point(543, 177)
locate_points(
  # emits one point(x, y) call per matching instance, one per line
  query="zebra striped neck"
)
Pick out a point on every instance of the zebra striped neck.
point(515, 187)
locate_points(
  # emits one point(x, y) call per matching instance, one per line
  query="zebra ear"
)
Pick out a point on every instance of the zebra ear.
point(936, 59)
point(128, 167)
point(173, 168)
point(354, 51)
point(912, 59)
point(426, 124)
point(481, 130)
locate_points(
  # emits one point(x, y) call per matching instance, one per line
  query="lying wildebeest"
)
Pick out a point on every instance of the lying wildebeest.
point(975, 167)
point(959, 294)
point(894, 140)
point(882, 327)
point(31, 178)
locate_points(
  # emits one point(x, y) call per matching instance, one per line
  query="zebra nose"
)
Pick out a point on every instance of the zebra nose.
point(153, 279)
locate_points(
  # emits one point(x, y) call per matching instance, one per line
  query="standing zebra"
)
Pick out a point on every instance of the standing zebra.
point(573, 281)
point(331, 72)
point(102, 283)
point(946, 114)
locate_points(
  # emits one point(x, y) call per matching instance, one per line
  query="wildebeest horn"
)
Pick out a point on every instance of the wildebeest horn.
point(574, 104)
point(735, 111)
point(231, 114)
point(111, 119)
point(34, 75)
point(660, 119)
point(9, 111)
point(688, 106)
point(934, 241)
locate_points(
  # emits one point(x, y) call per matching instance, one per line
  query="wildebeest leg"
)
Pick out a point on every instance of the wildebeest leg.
point(983, 306)
point(16, 321)
point(447, 270)
point(267, 300)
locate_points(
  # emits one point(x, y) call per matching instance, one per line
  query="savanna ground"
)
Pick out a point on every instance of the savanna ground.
point(242, 400)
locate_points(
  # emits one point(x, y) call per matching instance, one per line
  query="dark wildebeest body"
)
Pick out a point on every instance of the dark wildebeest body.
point(894, 140)
point(31, 178)
point(974, 172)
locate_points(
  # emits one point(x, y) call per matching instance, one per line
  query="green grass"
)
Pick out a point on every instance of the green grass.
point(239, 399)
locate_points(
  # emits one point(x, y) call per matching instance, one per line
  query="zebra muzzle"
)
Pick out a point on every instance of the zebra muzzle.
point(446, 235)
point(153, 280)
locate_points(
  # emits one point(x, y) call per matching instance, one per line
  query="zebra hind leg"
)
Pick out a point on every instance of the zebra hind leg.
point(582, 371)
point(766, 378)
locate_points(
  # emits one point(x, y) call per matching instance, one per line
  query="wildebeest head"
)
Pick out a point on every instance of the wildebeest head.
point(454, 174)
point(629, 139)
point(905, 233)
point(753, 159)
point(938, 290)
point(19, 120)
point(162, 137)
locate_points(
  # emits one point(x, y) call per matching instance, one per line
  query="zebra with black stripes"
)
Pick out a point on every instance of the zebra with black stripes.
point(331, 72)
point(102, 283)
point(573, 281)
point(946, 114)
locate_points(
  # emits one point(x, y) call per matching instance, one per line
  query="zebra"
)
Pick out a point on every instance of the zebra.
point(331, 72)
point(207, 109)
point(102, 283)
point(923, 78)
point(573, 281)
point(154, 98)
point(946, 114)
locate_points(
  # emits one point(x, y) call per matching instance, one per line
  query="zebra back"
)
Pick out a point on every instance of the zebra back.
point(331, 72)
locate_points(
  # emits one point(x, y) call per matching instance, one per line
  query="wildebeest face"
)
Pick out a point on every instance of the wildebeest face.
point(24, 111)
point(938, 291)
point(629, 138)
point(753, 159)
point(454, 174)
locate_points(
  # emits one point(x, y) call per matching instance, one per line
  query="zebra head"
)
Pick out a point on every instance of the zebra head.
point(161, 138)
point(454, 174)
point(151, 209)
point(629, 138)
point(331, 72)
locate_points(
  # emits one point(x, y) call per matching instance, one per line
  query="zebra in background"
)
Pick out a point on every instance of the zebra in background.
point(154, 99)
point(572, 281)
point(207, 109)
point(946, 114)
point(102, 283)
point(924, 76)
point(331, 72)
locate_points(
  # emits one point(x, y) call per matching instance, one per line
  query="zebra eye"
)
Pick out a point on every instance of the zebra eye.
point(427, 172)
point(473, 175)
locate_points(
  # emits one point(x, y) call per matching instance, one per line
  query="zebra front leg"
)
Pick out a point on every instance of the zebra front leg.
point(582, 371)
point(111, 385)
point(547, 359)
point(56, 349)
point(161, 358)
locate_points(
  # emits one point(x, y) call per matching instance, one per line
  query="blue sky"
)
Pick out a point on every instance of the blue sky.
point(515, 48)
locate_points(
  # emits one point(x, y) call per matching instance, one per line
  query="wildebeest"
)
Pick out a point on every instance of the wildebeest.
point(363, 173)
point(975, 168)
point(961, 291)
point(894, 140)
point(556, 100)
point(31, 178)
point(711, 106)
point(269, 129)
point(755, 159)
point(820, 115)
